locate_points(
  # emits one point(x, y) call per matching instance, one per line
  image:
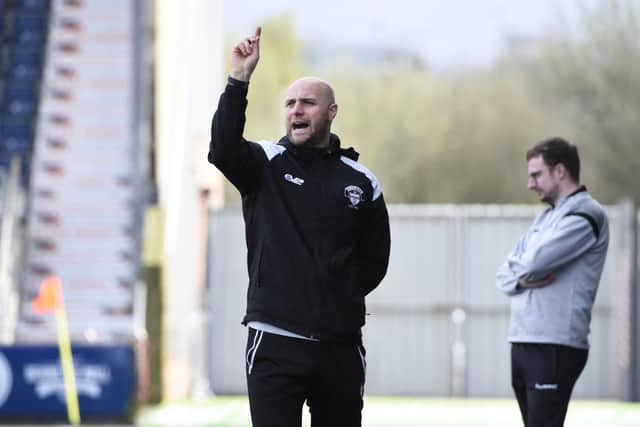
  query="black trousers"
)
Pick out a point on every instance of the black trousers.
point(542, 377)
point(283, 373)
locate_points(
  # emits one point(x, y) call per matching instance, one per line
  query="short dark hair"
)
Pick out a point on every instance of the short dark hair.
point(555, 151)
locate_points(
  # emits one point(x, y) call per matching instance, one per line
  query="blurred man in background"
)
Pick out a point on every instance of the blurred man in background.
point(552, 277)
point(318, 241)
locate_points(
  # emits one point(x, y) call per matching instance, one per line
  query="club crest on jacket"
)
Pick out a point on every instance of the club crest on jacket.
point(354, 194)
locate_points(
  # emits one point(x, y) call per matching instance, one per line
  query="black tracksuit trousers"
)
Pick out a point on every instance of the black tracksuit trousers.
point(543, 376)
point(283, 373)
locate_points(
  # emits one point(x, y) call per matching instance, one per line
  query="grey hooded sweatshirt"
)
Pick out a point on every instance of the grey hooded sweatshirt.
point(569, 240)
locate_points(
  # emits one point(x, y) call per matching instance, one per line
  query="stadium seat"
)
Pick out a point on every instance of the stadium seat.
point(17, 132)
point(29, 28)
point(24, 64)
point(23, 152)
point(33, 6)
point(23, 34)
point(19, 100)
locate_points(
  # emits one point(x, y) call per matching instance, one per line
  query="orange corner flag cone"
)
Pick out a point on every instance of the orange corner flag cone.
point(50, 296)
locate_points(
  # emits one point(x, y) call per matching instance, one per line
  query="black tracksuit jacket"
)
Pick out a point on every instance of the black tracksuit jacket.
point(316, 226)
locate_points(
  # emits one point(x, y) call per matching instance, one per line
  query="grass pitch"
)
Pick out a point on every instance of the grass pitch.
point(233, 411)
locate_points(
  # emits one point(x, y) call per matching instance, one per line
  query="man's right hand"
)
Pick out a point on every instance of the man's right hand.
point(244, 57)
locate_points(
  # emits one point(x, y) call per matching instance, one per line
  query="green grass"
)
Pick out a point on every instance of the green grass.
point(397, 412)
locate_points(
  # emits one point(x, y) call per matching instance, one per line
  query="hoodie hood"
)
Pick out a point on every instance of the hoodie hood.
point(333, 148)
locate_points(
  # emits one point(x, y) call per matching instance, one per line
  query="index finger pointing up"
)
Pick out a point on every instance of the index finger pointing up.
point(255, 40)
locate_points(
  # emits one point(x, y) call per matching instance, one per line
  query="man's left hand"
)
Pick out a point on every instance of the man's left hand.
point(537, 283)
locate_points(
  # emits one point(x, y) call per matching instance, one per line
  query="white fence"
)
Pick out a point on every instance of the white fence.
point(437, 324)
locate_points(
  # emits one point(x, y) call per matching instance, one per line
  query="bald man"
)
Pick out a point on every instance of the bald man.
point(318, 241)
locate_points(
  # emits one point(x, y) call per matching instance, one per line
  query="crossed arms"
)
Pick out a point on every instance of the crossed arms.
point(536, 259)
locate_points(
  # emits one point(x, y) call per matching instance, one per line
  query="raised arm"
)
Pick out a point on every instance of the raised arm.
point(245, 56)
point(228, 150)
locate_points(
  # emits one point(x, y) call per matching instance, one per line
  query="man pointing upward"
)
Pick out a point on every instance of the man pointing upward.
point(318, 241)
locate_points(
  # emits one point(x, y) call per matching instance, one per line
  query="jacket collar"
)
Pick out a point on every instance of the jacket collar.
point(581, 189)
point(332, 149)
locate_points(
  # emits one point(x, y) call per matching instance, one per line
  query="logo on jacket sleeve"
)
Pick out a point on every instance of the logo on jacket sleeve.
point(354, 194)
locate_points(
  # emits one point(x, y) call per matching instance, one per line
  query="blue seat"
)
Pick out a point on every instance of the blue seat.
point(16, 138)
point(14, 133)
point(28, 43)
point(33, 6)
point(29, 28)
point(19, 100)
point(23, 63)
point(7, 153)
point(25, 165)
point(22, 150)
point(20, 143)
point(25, 54)
point(24, 72)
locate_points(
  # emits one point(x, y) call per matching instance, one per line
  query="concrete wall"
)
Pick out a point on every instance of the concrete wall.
point(438, 326)
point(188, 76)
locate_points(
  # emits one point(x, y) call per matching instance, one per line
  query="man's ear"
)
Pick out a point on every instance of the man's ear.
point(561, 170)
point(333, 110)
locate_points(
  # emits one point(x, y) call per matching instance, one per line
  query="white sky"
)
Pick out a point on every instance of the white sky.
point(446, 33)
